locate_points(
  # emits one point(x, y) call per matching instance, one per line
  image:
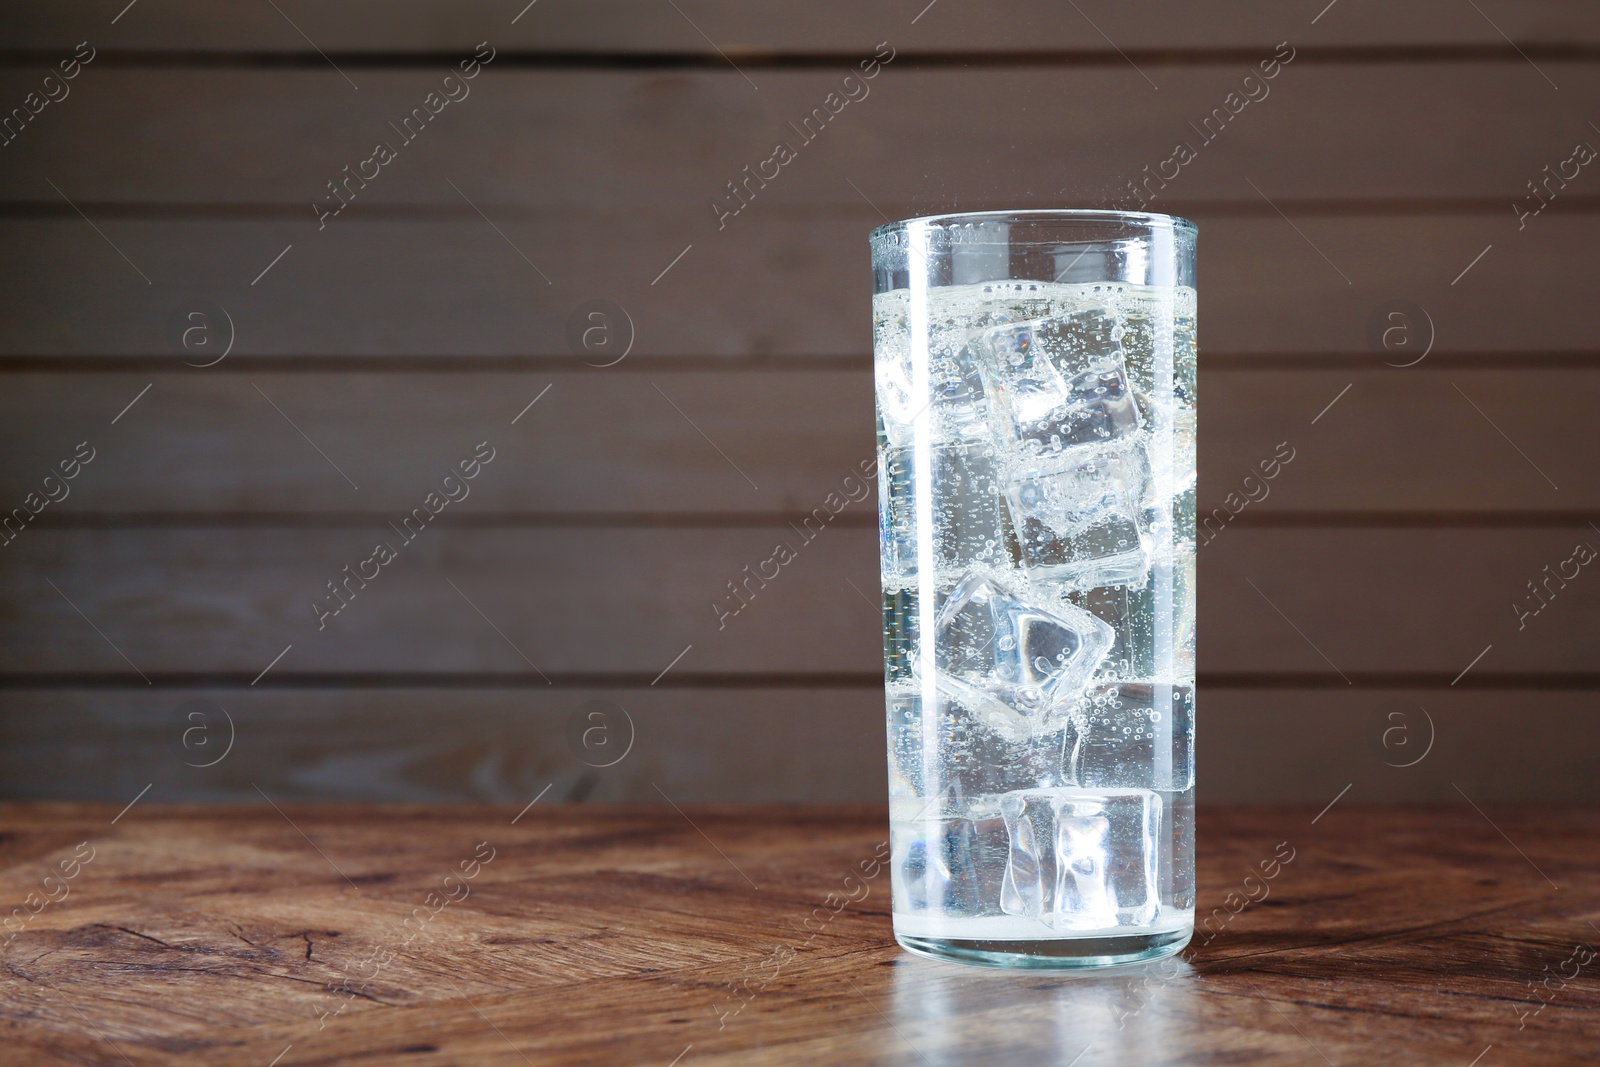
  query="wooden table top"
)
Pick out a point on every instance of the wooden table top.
point(657, 937)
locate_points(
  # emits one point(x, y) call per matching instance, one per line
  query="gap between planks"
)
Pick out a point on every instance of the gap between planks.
point(772, 59)
point(516, 363)
point(460, 680)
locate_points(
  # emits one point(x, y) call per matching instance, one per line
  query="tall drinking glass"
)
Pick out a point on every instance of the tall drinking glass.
point(1035, 376)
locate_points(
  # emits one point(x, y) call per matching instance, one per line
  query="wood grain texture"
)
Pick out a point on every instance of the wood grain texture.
point(435, 288)
point(222, 937)
point(607, 443)
point(750, 30)
point(1323, 604)
point(523, 141)
point(723, 745)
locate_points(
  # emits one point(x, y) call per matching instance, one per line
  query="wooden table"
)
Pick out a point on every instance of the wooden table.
point(256, 936)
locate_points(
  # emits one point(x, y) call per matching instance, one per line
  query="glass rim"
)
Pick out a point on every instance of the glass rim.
point(1148, 220)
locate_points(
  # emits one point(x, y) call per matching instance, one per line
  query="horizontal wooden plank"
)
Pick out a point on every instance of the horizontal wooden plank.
point(1394, 745)
point(596, 441)
point(1397, 600)
point(1399, 439)
point(629, 602)
point(787, 283)
point(507, 746)
point(738, 746)
point(585, 600)
point(636, 26)
point(1417, 440)
point(674, 140)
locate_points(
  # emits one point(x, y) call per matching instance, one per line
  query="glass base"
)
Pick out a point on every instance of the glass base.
point(1059, 953)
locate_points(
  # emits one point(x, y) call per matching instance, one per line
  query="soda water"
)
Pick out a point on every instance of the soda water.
point(1036, 446)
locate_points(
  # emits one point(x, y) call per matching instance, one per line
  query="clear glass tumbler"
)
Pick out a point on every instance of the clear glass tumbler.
point(1035, 376)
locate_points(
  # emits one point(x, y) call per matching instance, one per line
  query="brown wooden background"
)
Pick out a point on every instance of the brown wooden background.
point(1337, 615)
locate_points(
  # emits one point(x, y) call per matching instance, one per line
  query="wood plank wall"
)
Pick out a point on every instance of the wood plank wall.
point(1360, 616)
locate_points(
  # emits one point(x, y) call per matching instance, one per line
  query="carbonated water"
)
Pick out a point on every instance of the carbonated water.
point(1037, 514)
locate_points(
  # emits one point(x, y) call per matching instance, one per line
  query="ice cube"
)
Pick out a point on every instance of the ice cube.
point(1020, 667)
point(1161, 469)
point(972, 760)
point(1078, 522)
point(1136, 735)
point(1153, 622)
point(1028, 887)
point(960, 406)
point(898, 403)
point(1172, 453)
point(1081, 859)
point(964, 498)
point(954, 866)
point(953, 399)
point(1058, 384)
